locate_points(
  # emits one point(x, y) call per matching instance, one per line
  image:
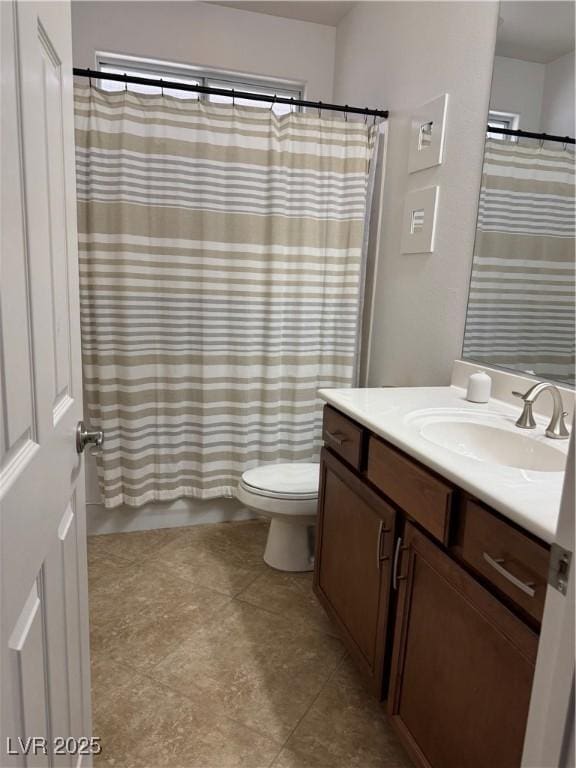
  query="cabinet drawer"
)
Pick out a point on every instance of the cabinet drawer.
point(343, 436)
point(419, 493)
point(511, 560)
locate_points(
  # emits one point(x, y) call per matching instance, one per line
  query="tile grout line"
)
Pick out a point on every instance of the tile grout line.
point(180, 694)
point(237, 598)
point(314, 700)
point(148, 673)
point(162, 684)
point(313, 630)
point(302, 622)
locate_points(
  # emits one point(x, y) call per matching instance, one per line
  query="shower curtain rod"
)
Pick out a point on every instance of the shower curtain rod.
point(161, 83)
point(530, 134)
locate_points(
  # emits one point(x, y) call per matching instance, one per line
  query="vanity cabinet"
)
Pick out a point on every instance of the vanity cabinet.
point(462, 667)
point(354, 554)
point(437, 597)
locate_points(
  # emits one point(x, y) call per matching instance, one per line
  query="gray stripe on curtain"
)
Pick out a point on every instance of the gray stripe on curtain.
point(521, 305)
point(221, 254)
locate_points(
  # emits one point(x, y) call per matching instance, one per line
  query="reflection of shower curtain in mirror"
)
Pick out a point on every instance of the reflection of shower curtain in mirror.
point(221, 263)
point(521, 307)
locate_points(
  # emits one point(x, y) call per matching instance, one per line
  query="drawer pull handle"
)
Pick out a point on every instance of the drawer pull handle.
point(379, 556)
point(496, 562)
point(338, 438)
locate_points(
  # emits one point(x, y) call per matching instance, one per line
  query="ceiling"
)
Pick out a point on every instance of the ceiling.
point(535, 31)
point(327, 12)
point(532, 30)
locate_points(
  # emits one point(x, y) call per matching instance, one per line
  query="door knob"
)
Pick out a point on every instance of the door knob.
point(85, 436)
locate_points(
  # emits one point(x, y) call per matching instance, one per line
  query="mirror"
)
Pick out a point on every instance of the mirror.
point(521, 301)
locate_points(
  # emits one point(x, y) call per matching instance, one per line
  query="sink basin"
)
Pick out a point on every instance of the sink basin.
point(488, 436)
point(494, 445)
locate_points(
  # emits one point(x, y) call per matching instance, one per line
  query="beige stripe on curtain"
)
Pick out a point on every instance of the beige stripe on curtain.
point(220, 262)
point(521, 306)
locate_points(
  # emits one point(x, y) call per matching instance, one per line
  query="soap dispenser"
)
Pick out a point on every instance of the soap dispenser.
point(479, 387)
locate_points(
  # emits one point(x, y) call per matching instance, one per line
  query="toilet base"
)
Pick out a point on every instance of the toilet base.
point(290, 546)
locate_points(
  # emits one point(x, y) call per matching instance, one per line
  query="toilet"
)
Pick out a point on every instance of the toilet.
point(287, 494)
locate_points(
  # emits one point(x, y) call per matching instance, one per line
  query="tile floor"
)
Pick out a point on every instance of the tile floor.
point(203, 657)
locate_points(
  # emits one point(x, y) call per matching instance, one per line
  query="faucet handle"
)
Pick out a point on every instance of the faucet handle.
point(518, 394)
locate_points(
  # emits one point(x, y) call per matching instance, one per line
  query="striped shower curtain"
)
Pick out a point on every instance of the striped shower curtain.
point(220, 267)
point(521, 306)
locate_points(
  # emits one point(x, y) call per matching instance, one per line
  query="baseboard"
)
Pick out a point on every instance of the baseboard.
point(182, 512)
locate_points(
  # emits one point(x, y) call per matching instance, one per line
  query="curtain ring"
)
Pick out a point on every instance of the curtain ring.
point(345, 113)
point(90, 81)
point(565, 145)
point(161, 87)
point(320, 109)
point(291, 104)
point(125, 82)
point(374, 121)
point(233, 98)
point(366, 116)
point(273, 102)
point(541, 143)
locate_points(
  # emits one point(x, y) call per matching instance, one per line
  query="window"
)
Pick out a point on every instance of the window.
point(180, 73)
point(507, 120)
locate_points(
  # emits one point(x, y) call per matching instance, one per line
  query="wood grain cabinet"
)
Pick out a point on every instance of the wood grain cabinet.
point(354, 553)
point(515, 563)
point(343, 436)
point(462, 666)
point(420, 493)
point(437, 597)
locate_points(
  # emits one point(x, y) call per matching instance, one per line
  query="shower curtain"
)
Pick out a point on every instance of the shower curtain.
point(220, 272)
point(522, 286)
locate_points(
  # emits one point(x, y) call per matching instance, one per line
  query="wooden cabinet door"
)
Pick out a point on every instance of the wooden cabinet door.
point(354, 552)
point(462, 665)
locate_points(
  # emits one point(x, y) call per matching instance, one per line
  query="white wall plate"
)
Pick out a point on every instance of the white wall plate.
point(427, 134)
point(419, 222)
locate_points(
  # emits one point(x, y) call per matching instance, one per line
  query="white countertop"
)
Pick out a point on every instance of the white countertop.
point(529, 498)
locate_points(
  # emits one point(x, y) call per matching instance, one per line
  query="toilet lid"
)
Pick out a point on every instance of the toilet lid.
point(294, 480)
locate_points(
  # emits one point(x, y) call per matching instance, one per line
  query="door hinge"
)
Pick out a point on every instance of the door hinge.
point(559, 573)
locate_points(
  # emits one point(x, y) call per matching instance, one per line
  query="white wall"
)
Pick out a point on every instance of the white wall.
point(208, 35)
point(400, 55)
point(558, 98)
point(214, 37)
point(542, 94)
point(518, 86)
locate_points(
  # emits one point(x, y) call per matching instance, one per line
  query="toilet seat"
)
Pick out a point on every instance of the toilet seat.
point(293, 481)
point(287, 494)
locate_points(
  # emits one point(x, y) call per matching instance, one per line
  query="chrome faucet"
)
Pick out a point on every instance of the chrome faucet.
point(557, 427)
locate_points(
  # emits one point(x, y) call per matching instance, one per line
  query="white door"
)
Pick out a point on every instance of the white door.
point(549, 741)
point(44, 655)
